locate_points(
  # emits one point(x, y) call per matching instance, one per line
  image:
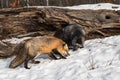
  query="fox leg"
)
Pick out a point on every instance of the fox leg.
point(78, 42)
point(27, 60)
point(56, 53)
point(82, 41)
point(35, 62)
point(53, 56)
point(63, 57)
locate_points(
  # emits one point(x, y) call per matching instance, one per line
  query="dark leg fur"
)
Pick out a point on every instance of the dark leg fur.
point(35, 62)
point(55, 52)
point(78, 43)
point(81, 42)
point(26, 61)
point(53, 56)
point(74, 43)
point(76, 46)
point(63, 57)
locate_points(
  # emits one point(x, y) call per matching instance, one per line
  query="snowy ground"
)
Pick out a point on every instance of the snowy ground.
point(98, 60)
point(98, 6)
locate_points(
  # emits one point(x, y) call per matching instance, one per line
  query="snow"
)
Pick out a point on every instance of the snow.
point(98, 60)
point(15, 40)
point(108, 6)
point(98, 6)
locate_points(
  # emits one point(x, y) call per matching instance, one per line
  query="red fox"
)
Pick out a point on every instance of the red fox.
point(31, 48)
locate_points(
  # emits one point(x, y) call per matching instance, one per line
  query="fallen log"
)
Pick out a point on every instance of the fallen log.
point(47, 20)
point(27, 22)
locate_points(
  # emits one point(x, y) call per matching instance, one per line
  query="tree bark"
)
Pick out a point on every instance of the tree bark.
point(97, 23)
point(21, 22)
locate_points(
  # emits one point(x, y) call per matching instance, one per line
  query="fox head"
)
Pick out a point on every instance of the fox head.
point(63, 50)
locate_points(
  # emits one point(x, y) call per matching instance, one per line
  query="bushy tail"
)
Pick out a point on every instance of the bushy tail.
point(20, 58)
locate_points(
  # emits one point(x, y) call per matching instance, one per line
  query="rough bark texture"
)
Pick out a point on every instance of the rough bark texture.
point(20, 22)
point(97, 23)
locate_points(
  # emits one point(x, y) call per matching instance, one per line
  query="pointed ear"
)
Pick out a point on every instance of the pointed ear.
point(64, 44)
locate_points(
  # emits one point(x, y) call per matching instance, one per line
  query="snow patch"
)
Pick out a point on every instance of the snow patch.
point(98, 60)
point(98, 6)
point(107, 6)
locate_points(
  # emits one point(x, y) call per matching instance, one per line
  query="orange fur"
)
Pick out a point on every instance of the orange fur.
point(37, 46)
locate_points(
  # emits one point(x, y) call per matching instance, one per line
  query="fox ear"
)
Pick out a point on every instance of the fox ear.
point(64, 45)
